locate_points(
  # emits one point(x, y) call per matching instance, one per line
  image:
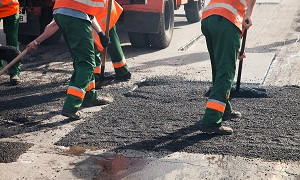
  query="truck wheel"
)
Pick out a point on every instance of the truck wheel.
point(193, 10)
point(166, 27)
point(140, 40)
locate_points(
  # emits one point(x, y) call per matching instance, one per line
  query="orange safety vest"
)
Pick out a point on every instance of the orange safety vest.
point(8, 8)
point(101, 17)
point(233, 10)
point(90, 7)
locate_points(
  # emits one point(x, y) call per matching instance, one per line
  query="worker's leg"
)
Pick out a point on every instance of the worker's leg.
point(10, 27)
point(77, 33)
point(116, 54)
point(225, 38)
point(209, 44)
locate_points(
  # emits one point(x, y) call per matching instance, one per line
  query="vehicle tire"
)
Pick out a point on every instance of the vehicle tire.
point(166, 27)
point(140, 40)
point(193, 10)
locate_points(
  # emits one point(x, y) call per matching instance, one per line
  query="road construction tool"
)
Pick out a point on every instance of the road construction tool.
point(104, 53)
point(238, 82)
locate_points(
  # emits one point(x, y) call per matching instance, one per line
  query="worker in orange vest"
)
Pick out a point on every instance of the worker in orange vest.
point(74, 19)
point(114, 48)
point(9, 12)
point(223, 22)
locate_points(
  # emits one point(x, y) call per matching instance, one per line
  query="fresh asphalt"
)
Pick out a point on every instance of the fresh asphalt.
point(161, 115)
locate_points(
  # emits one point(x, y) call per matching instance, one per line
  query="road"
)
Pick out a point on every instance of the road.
point(151, 133)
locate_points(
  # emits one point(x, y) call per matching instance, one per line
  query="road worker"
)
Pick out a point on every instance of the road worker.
point(9, 13)
point(74, 19)
point(223, 22)
point(114, 48)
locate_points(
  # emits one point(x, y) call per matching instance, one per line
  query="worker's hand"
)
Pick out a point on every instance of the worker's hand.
point(247, 22)
point(104, 40)
point(31, 47)
point(241, 56)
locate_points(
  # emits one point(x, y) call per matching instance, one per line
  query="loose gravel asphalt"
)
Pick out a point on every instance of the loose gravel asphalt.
point(161, 115)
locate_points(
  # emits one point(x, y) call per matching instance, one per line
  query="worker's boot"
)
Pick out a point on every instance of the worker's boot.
point(125, 77)
point(99, 102)
point(71, 114)
point(231, 115)
point(15, 79)
point(222, 130)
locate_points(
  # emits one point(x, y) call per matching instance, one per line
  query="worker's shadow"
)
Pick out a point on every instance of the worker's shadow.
point(26, 108)
point(113, 165)
point(173, 142)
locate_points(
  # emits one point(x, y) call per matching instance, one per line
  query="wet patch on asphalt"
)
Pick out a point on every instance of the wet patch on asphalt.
point(163, 114)
point(10, 151)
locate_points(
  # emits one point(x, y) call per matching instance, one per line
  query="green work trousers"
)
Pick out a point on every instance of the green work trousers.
point(11, 27)
point(115, 52)
point(78, 36)
point(223, 43)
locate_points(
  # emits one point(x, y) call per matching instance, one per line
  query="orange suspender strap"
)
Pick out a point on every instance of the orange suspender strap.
point(75, 91)
point(216, 105)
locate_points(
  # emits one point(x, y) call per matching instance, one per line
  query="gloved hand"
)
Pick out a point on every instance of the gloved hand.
point(103, 39)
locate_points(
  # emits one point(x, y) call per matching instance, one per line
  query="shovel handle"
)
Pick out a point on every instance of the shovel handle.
point(14, 61)
point(103, 59)
point(238, 82)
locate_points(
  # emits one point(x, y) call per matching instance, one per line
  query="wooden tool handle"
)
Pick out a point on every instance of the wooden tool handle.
point(13, 61)
point(104, 53)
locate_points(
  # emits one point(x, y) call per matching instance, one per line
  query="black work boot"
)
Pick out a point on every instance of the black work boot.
point(99, 102)
point(14, 79)
point(231, 115)
point(71, 114)
point(125, 77)
point(222, 130)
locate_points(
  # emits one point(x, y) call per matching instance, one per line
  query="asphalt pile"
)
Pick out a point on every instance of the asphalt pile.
point(160, 114)
point(10, 151)
point(163, 115)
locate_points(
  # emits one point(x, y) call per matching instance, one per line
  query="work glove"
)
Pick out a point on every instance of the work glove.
point(103, 39)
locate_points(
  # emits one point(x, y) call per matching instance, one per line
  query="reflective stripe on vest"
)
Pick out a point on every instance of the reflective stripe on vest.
point(91, 86)
point(216, 105)
point(91, 3)
point(232, 11)
point(97, 70)
point(75, 91)
point(90, 7)
point(119, 64)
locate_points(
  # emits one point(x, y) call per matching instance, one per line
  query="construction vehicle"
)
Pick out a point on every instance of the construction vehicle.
point(149, 23)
